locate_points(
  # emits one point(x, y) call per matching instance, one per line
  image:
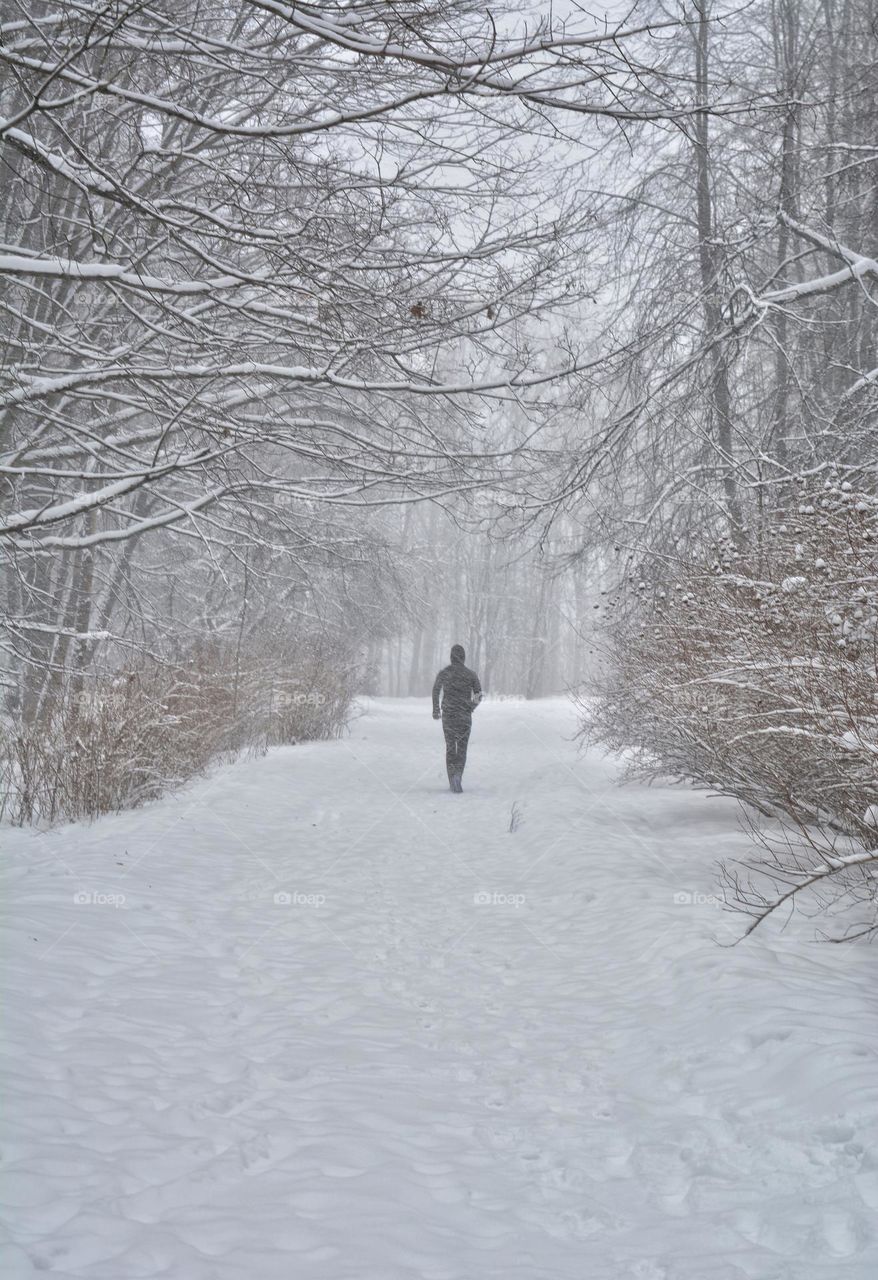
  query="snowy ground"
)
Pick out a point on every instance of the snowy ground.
point(387, 1076)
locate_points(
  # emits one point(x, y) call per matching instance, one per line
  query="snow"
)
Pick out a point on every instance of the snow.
point(317, 1017)
point(33, 388)
point(67, 268)
point(858, 266)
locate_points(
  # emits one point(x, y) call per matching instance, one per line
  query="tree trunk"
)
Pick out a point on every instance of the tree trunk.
point(710, 263)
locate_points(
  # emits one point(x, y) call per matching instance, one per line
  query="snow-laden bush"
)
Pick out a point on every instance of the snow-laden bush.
point(754, 674)
point(297, 692)
point(118, 740)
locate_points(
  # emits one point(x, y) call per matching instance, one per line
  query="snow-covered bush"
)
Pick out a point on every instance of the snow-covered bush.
point(754, 673)
point(119, 741)
point(309, 693)
point(126, 737)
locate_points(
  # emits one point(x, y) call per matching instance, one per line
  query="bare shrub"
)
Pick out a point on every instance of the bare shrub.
point(301, 692)
point(127, 737)
point(120, 742)
point(754, 674)
point(812, 869)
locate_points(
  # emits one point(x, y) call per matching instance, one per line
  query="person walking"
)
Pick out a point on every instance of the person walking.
point(461, 693)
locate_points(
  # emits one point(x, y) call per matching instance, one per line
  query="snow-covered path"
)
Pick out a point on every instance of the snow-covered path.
point(449, 1050)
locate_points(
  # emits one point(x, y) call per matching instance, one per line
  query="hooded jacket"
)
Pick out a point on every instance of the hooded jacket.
point(459, 687)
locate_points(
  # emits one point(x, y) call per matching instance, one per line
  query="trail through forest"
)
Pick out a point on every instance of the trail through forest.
point(318, 1017)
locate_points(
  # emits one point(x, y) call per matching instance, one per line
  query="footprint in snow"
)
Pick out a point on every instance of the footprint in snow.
point(647, 1269)
point(255, 1152)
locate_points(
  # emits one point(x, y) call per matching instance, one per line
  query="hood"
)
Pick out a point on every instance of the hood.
point(457, 653)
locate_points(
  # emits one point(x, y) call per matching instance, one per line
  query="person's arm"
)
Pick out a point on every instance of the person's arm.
point(476, 691)
point(437, 688)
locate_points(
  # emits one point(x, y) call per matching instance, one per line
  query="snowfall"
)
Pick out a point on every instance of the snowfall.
point(315, 1016)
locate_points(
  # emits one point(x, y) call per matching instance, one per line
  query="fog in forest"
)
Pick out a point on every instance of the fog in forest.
point(334, 336)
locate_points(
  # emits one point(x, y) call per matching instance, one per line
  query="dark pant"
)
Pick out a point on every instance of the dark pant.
point(457, 733)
